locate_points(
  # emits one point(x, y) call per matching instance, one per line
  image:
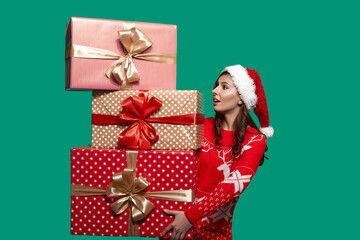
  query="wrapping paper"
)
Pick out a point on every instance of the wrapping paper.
point(172, 136)
point(89, 74)
point(165, 170)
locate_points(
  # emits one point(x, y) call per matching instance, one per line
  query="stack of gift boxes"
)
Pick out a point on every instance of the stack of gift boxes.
point(145, 133)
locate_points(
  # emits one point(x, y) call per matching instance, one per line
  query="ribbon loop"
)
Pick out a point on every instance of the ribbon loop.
point(139, 185)
point(114, 70)
point(120, 205)
point(122, 183)
point(141, 207)
point(134, 40)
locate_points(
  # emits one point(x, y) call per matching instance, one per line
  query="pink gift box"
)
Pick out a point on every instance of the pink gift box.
point(89, 73)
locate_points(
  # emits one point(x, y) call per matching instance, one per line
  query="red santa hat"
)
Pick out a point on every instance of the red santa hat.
point(251, 90)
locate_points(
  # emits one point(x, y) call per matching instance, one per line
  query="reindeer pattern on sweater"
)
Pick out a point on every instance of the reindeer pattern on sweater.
point(221, 180)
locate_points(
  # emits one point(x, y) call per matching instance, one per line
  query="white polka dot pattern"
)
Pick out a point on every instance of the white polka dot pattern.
point(172, 136)
point(165, 170)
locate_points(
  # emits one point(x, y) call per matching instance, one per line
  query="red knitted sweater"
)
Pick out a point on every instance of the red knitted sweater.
point(221, 179)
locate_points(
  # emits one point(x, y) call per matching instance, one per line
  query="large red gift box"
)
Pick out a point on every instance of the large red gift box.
point(164, 170)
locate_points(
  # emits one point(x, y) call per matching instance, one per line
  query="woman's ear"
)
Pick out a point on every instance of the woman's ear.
point(240, 102)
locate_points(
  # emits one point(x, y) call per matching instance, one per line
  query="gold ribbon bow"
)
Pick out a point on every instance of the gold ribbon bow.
point(132, 191)
point(128, 187)
point(123, 70)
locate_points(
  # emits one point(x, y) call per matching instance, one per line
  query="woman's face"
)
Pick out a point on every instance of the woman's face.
point(226, 98)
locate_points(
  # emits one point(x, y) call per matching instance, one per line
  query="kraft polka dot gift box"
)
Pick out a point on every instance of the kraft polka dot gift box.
point(109, 187)
point(154, 119)
point(112, 55)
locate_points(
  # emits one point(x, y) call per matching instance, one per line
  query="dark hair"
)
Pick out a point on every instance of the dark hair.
point(243, 119)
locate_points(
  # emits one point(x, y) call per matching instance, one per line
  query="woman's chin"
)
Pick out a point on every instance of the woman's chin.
point(217, 110)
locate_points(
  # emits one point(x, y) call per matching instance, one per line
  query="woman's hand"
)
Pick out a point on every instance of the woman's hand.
point(180, 225)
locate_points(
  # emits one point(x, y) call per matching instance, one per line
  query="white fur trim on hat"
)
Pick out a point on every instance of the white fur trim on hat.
point(244, 84)
point(267, 131)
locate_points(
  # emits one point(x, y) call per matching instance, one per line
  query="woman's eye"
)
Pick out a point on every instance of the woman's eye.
point(225, 87)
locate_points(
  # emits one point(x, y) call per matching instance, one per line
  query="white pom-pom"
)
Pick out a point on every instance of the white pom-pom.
point(267, 131)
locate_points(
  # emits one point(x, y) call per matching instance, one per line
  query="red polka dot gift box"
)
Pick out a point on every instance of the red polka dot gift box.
point(154, 119)
point(123, 192)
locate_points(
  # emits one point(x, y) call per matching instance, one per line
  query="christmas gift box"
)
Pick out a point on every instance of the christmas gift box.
point(112, 55)
point(155, 119)
point(123, 192)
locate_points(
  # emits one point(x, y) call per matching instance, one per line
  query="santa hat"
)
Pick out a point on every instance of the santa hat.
point(251, 90)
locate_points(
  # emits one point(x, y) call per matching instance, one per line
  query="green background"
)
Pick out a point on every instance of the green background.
point(307, 54)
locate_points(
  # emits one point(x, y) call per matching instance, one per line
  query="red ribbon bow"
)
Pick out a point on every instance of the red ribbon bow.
point(136, 109)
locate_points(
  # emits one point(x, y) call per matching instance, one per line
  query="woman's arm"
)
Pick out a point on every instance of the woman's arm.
point(225, 191)
point(233, 185)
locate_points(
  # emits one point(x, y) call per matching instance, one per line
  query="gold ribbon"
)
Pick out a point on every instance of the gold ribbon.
point(132, 190)
point(123, 70)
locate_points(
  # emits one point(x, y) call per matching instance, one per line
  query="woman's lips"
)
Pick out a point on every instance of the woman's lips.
point(215, 101)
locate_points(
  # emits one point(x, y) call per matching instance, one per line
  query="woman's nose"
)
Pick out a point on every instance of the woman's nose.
point(214, 91)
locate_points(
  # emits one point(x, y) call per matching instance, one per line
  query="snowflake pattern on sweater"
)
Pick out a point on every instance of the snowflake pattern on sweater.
point(221, 179)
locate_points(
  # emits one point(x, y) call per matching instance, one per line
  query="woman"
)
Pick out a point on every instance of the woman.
point(232, 151)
